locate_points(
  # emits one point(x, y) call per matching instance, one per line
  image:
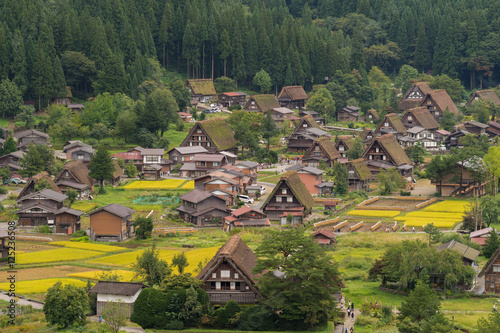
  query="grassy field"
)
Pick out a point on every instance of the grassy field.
point(166, 184)
point(55, 255)
point(40, 286)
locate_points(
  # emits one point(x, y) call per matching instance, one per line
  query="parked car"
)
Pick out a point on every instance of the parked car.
point(245, 198)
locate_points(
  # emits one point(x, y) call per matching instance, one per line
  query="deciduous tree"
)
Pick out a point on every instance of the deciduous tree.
point(143, 227)
point(65, 305)
point(38, 158)
point(150, 267)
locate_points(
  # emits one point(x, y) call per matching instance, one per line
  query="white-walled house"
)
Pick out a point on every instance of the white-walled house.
point(124, 293)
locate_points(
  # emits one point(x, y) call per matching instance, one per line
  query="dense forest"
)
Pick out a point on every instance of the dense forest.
point(97, 46)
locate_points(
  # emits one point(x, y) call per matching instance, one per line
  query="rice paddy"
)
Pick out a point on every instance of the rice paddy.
point(40, 286)
point(89, 246)
point(374, 213)
point(166, 184)
point(124, 276)
point(55, 255)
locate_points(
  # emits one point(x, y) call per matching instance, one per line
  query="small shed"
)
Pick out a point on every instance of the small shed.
point(151, 171)
point(123, 293)
point(324, 237)
point(330, 205)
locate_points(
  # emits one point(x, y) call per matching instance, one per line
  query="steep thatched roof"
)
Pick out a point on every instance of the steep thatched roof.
point(361, 168)
point(374, 113)
point(297, 187)
point(293, 93)
point(31, 183)
point(219, 132)
point(487, 95)
point(204, 87)
point(489, 263)
point(236, 252)
point(79, 170)
point(327, 147)
point(443, 100)
point(394, 120)
point(310, 120)
point(392, 147)
point(424, 117)
point(264, 102)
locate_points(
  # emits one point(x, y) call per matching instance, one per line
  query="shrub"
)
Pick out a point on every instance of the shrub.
point(175, 325)
point(43, 229)
point(12, 196)
point(405, 193)
point(83, 239)
point(3, 190)
point(79, 233)
point(224, 315)
point(255, 318)
point(363, 320)
point(150, 304)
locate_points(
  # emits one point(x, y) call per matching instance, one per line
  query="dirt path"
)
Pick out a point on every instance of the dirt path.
point(22, 301)
point(349, 321)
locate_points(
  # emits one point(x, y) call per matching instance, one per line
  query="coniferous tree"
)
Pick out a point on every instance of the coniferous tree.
point(422, 58)
point(59, 87)
point(18, 66)
point(101, 167)
point(4, 53)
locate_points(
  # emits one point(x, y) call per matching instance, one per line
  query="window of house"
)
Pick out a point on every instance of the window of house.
point(496, 268)
point(214, 275)
point(377, 150)
point(370, 157)
point(190, 144)
point(198, 131)
point(236, 276)
point(317, 154)
point(341, 148)
point(215, 163)
point(202, 163)
point(386, 124)
point(383, 157)
point(410, 118)
point(229, 188)
point(233, 285)
point(283, 191)
point(253, 103)
point(316, 148)
point(217, 285)
point(67, 174)
point(208, 144)
point(305, 125)
point(278, 199)
point(175, 158)
point(225, 274)
point(437, 113)
point(79, 157)
point(151, 159)
point(289, 199)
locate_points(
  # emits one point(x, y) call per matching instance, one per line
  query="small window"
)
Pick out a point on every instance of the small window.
point(370, 157)
point(283, 191)
point(437, 113)
point(278, 199)
point(305, 125)
point(67, 174)
point(79, 157)
point(377, 150)
point(225, 274)
point(410, 118)
point(496, 268)
point(214, 275)
point(289, 199)
point(215, 164)
point(383, 157)
point(386, 124)
point(236, 275)
point(253, 103)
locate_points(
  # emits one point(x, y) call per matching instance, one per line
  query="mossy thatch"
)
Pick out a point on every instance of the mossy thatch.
point(219, 132)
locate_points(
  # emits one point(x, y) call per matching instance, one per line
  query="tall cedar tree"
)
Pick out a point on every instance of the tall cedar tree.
point(101, 166)
point(341, 179)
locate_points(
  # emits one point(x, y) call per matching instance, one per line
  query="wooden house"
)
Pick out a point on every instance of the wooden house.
point(485, 95)
point(4, 247)
point(230, 171)
point(289, 197)
point(480, 236)
point(293, 97)
point(469, 255)
point(320, 120)
point(359, 175)
point(249, 168)
point(214, 135)
point(417, 134)
point(111, 222)
point(71, 145)
point(344, 143)
point(202, 164)
point(117, 174)
point(209, 183)
point(461, 181)
point(322, 149)
point(311, 177)
point(245, 217)
point(202, 208)
point(40, 208)
point(228, 275)
point(391, 124)
point(371, 116)
point(228, 99)
point(202, 90)
point(24, 138)
point(420, 116)
point(67, 220)
point(453, 139)
point(414, 96)
point(185, 154)
point(113, 292)
point(438, 101)
point(76, 108)
point(491, 274)
point(280, 115)
point(367, 135)
point(304, 134)
point(75, 175)
point(63, 100)
point(261, 103)
point(475, 127)
point(11, 160)
point(186, 117)
point(384, 152)
point(348, 114)
point(493, 129)
point(324, 237)
point(29, 188)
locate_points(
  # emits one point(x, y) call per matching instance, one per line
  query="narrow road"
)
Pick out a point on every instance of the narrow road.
point(22, 301)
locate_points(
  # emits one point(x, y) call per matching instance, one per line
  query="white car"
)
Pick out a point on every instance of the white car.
point(245, 198)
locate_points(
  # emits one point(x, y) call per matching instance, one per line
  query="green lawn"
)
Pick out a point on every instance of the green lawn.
point(4, 122)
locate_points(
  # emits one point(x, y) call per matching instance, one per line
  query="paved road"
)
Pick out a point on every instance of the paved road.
point(22, 301)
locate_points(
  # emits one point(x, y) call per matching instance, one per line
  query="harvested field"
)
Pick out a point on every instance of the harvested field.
point(365, 228)
point(25, 247)
point(409, 204)
point(40, 286)
point(45, 272)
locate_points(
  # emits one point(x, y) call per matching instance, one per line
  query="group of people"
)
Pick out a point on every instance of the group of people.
point(350, 313)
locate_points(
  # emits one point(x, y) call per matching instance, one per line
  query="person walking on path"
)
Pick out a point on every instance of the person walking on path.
point(352, 315)
point(352, 306)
